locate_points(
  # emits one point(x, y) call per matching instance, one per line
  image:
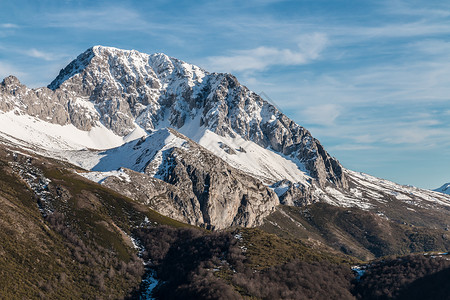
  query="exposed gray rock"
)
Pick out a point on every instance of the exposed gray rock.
point(159, 195)
point(51, 106)
point(227, 148)
point(181, 179)
point(226, 196)
point(122, 89)
point(294, 194)
point(196, 187)
point(128, 87)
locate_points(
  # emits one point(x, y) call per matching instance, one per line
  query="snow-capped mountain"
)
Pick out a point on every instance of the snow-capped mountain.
point(111, 109)
point(127, 91)
point(445, 189)
point(131, 89)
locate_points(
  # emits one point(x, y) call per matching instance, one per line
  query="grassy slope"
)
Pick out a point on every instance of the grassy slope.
point(84, 251)
point(355, 232)
point(267, 250)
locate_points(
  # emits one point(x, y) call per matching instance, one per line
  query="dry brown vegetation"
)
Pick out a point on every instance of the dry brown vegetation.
point(194, 264)
point(77, 246)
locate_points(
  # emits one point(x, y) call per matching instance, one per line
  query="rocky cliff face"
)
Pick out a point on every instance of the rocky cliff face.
point(124, 90)
point(223, 195)
point(183, 180)
point(43, 103)
point(129, 88)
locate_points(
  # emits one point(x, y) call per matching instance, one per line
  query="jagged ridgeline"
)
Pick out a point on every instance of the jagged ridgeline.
point(127, 91)
point(215, 153)
point(172, 144)
point(152, 89)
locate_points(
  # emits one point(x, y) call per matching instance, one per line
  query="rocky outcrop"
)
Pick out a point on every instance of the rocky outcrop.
point(194, 186)
point(225, 196)
point(165, 198)
point(232, 109)
point(151, 90)
point(122, 89)
point(42, 103)
point(56, 107)
point(294, 194)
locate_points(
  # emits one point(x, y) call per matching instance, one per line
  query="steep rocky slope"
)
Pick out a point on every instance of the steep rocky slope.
point(126, 89)
point(62, 236)
point(197, 186)
point(200, 148)
point(224, 137)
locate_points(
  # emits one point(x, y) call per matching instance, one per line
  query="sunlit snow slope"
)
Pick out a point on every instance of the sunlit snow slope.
point(35, 132)
point(111, 109)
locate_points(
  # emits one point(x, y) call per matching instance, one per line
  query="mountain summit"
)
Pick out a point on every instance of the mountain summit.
point(196, 146)
point(131, 89)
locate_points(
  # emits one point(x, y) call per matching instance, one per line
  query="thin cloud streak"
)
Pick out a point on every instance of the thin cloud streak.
point(115, 19)
point(42, 55)
point(109, 19)
point(398, 7)
point(420, 134)
point(322, 115)
point(9, 26)
point(261, 58)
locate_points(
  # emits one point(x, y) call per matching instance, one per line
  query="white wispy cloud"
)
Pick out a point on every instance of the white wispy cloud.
point(41, 54)
point(350, 147)
point(409, 8)
point(105, 18)
point(308, 49)
point(432, 47)
point(9, 25)
point(324, 115)
point(394, 132)
point(392, 30)
point(114, 18)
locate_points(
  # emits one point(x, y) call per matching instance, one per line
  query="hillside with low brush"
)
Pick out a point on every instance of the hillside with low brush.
point(134, 174)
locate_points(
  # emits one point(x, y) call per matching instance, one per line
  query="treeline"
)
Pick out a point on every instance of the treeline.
point(185, 260)
point(298, 280)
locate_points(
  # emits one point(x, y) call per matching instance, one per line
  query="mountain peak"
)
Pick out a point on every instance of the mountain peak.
point(445, 188)
point(126, 89)
point(75, 67)
point(99, 50)
point(132, 62)
point(101, 53)
point(11, 80)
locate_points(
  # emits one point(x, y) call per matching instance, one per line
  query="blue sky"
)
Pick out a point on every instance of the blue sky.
point(369, 79)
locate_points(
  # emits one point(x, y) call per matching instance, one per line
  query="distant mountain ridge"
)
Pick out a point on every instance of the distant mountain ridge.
point(445, 189)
